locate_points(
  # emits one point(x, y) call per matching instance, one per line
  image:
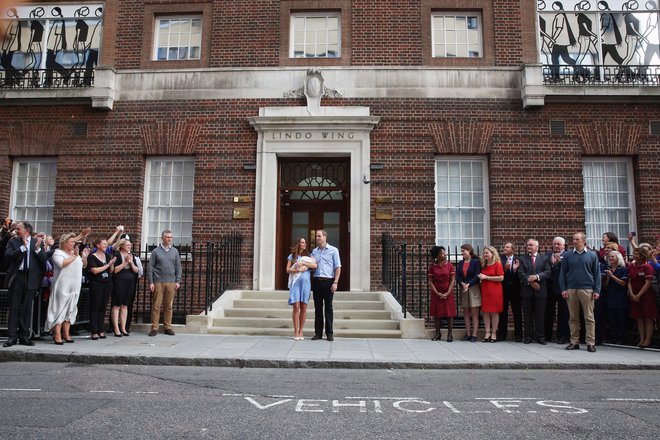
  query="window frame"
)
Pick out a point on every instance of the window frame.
point(465, 14)
point(483, 161)
point(14, 188)
point(595, 240)
point(156, 36)
point(145, 203)
point(484, 7)
point(155, 11)
point(315, 14)
point(290, 7)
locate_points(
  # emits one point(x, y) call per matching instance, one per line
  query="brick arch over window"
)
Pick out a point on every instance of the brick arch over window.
point(165, 138)
point(462, 137)
point(614, 138)
point(26, 139)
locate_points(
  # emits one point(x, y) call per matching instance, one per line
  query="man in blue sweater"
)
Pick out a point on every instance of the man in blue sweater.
point(579, 280)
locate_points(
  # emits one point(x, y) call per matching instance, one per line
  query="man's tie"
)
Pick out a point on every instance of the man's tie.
point(25, 259)
point(533, 260)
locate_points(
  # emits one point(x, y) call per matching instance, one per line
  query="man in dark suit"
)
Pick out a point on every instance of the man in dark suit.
point(534, 271)
point(511, 295)
point(26, 262)
point(556, 307)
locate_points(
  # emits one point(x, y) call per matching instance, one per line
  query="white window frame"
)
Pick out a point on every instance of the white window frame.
point(593, 236)
point(177, 17)
point(147, 188)
point(14, 187)
point(315, 14)
point(465, 14)
point(441, 241)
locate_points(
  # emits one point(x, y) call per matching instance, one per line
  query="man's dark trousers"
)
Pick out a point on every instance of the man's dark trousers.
point(323, 303)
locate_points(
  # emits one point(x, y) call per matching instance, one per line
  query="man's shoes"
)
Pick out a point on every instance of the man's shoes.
point(24, 340)
point(573, 347)
point(153, 332)
point(541, 341)
point(169, 331)
point(10, 342)
point(561, 341)
point(316, 337)
point(591, 348)
point(330, 338)
point(527, 341)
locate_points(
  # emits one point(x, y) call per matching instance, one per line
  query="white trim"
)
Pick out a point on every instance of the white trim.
point(14, 177)
point(275, 121)
point(631, 193)
point(147, 186)
point(466, 15)
point(314, 14)
point(157, 20)
point(485, 188)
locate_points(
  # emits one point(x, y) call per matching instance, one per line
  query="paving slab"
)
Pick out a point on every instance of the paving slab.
point(284, 352)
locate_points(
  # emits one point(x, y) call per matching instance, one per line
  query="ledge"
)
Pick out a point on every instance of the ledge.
point(101, 95)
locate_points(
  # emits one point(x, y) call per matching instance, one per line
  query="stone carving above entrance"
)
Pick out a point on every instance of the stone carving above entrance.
point(313, 89)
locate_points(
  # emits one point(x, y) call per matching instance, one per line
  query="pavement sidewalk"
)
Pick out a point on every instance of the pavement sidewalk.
point(284, 352)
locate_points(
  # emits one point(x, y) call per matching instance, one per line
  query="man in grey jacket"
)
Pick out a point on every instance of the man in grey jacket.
point(164, 277)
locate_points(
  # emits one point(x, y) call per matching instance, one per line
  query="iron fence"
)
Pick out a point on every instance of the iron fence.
point(208, 270)
point(64, 78)
point(404, 274)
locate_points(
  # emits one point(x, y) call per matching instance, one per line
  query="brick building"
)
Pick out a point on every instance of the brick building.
point(435, 120)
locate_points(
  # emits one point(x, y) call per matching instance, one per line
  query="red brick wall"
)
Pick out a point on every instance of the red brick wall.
point(535, 178)
point(249, 34)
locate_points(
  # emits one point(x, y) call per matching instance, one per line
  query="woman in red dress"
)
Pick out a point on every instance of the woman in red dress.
point(491, 276)
point(442, 277)
point(642, 299)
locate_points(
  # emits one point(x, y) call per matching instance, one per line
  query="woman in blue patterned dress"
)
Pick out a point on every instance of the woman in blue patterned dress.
point(300, 285)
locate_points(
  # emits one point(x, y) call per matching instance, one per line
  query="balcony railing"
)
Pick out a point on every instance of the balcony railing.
point(66, 78)
point(595, 75)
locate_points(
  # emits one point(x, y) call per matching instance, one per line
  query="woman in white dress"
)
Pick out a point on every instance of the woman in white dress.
point(67, 280)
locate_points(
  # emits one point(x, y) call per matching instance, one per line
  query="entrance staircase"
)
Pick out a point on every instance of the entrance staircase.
point(356, 315)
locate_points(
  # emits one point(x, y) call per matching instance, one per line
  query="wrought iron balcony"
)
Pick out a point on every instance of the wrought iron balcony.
point(595, 75)
point(47, 78)
point(54, 85)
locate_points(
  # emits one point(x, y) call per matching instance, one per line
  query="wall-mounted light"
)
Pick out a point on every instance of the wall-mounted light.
point(249, 166)
point(376, 166)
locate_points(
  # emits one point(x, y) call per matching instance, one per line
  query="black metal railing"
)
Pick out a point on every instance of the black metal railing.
point(65, 78)
point(207, 271)
point(405, 276)
point(595, 75)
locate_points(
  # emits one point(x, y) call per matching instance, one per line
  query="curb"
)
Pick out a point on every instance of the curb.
point(76, 358)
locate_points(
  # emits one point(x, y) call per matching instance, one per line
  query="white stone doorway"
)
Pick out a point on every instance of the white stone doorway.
point(333, 132)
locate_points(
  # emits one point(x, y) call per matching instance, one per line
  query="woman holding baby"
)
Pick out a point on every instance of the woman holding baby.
point(300, 285)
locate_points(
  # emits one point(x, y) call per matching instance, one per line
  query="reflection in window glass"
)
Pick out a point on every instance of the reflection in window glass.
point(34, 193)
point(178, 38)
point(315, 35)
point(456, 35)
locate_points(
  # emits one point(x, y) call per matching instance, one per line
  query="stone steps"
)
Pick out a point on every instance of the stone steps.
point(356, 315)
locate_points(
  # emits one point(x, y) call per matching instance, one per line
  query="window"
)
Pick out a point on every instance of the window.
point(461, 204)
point(608, 199)
point(315, 35)
point(169, 199)
point(178, 38)
point(33, 194)
point(456, 35)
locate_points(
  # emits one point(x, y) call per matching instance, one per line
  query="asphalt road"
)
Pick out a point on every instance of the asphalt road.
point(49, 401)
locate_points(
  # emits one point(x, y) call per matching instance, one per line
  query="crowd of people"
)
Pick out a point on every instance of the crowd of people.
point(571, 291)
point(35, 262)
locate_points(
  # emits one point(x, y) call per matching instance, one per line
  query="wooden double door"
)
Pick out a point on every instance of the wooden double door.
point(313, 196)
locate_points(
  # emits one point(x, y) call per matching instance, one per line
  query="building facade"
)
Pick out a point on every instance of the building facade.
point(439, 121)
